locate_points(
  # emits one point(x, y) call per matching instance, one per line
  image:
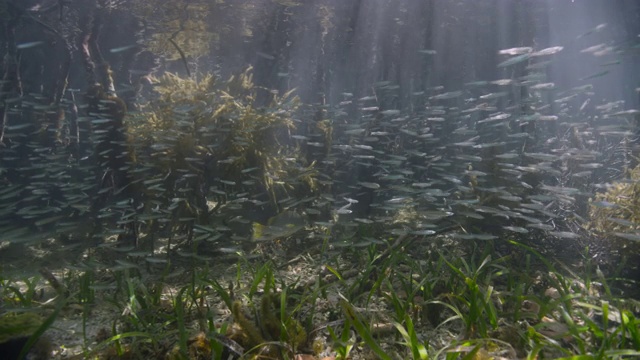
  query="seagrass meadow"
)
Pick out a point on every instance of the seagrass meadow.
point(321, 179)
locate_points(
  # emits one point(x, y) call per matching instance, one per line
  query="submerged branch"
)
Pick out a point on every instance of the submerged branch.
point(182, 56)
point(11, 83)
point(89, 65)
point(63, 79)
point(173, 36)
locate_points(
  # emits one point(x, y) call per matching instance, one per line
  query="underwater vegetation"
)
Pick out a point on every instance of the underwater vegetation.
point(267, 328)
point(15, 332)
point(201, 145)
point(615, 212)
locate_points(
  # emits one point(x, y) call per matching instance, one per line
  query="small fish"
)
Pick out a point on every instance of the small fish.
point(628, 236)
point(355, 132)
point(515, 60)
point(496, 117)
point(503, 82)
point(370, 185)
point(507, 156)
point(29, 45)
point(370, 109)
point(543, 86)
point(344, 210)
point(541, 226)
point(515, 51)
point(542, 156)
point(248, 170)
point(474, 236)
point(511, 198)
point(594, 48)
point(123, 48)
point(390, 112)
point(350, 201)
point(155, 260)
point(598, 74)
point(564, 234)
point(364, 221)
point(447, 95)
point(604, 204)
point(491, 96)
point(517, 229)
point(594, 30)
point(548, 51)
point(477, 83)
point(469, 214)
point(590, 166)
point(18, 127)
point(265, 55)
point(422, 232)
point(622, 222)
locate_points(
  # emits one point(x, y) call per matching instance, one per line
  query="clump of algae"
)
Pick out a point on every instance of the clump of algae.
point(267, 330)
point(15, 330)
point(615, 213)
point(14, 326)
point(618, 208)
